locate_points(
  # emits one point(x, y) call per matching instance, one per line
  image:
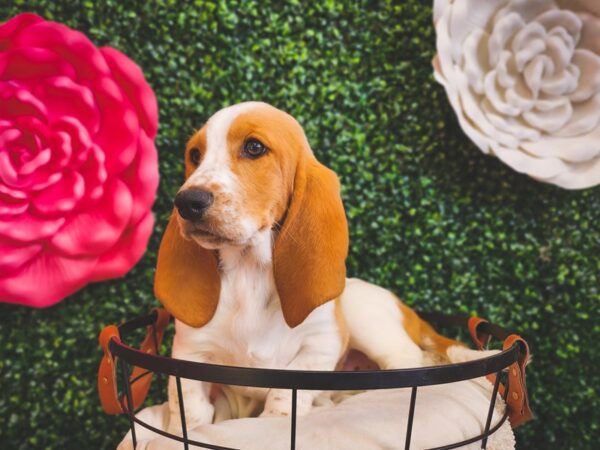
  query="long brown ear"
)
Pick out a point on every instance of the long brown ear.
point(311, 249)
point(187, 280)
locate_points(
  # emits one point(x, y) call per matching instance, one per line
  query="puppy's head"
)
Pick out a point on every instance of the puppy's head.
point(240, 171)
point(250, 170)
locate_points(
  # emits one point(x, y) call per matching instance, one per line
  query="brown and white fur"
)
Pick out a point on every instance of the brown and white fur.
point(259, 279)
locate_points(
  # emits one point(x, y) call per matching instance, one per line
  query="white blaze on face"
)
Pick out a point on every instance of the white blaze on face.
point(215, 174)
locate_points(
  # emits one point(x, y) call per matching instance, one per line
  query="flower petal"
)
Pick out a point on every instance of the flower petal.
point(579, 176)
point(589, 80)
point(522, 162)
point(507, 70)
point(493, 94)
point(94, 174)
point(12, 28)
point(465, 16)
point(475, 63)
point(571, 149)
point(559, 52)
point(520, 96)
point(119, 259)
point(63, 97)
point(38, 160)
point(586, 117)
point(447, 74)
point(28, 228)
point(531, 31)
point(580, 6)
point(72, 45)
point(119, 128)
point(79, 139)
point(561, 18)
point(10, 207)
point(474, 113)
point(527, 9)
point(12, 193)
point(549, 120)
point(16, 101)
point(534, 70)
point(31, 64)
point(529, 51)
point(561, 83)
point(590, 32)
point(509, 125)
point(8, 173)
point(131, 79)
point(13, 256)
point(94, 231)
point(46, 280)
point(504, 29)
point(142, 177)
point(62, 196)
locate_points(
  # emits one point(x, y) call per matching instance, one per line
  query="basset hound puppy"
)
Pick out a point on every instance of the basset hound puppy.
point(252, 266)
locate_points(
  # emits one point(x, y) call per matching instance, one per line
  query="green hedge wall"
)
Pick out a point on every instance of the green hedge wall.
point(431, 217)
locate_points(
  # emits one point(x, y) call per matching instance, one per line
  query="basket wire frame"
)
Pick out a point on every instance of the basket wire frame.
point(122, 351)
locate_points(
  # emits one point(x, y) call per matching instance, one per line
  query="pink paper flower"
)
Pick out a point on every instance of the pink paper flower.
point(78, 165)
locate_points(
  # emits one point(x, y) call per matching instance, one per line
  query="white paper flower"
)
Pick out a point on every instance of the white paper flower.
point(524, 79)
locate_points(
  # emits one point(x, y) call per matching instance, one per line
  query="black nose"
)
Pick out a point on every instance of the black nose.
point(192, 203)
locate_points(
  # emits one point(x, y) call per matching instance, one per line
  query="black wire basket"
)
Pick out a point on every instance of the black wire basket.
point(506, 370)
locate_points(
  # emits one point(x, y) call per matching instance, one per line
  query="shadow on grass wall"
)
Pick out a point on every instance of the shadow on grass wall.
point(432, 218)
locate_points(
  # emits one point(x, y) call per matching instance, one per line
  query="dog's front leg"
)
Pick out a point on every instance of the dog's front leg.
point(196, 394)
point(197, 406)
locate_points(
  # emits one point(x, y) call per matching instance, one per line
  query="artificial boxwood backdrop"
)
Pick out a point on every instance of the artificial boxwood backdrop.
point(431, 217)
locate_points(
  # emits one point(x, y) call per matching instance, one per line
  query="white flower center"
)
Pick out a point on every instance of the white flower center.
point(531, 76)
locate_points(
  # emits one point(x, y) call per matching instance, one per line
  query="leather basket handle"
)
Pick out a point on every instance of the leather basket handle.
point(517, 400)
point(479, 336)
point(140, 378)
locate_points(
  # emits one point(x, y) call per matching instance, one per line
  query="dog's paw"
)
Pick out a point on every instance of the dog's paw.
point(200, 414)
point(274, 412)
point(279, 403)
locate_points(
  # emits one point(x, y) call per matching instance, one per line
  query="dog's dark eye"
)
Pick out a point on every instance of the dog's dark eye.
point(254, 148)
point(195, 156)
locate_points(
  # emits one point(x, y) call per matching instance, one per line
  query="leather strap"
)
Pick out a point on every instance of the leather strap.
point(107, 380)
point(107, 373)
point(517, 399)
point(479, 336)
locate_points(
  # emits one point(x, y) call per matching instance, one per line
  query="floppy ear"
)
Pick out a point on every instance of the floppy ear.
point(311, 249)
point(187, 279)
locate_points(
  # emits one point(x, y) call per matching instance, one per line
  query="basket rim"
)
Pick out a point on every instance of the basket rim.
point(319, 380)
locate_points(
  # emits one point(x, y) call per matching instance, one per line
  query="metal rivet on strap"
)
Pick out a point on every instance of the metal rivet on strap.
point(515, 396)
point(105, 380)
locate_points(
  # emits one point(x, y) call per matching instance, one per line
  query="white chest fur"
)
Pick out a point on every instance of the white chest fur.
point(248, 328)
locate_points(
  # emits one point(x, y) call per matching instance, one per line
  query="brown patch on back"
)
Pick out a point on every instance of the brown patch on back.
point(423, 334)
